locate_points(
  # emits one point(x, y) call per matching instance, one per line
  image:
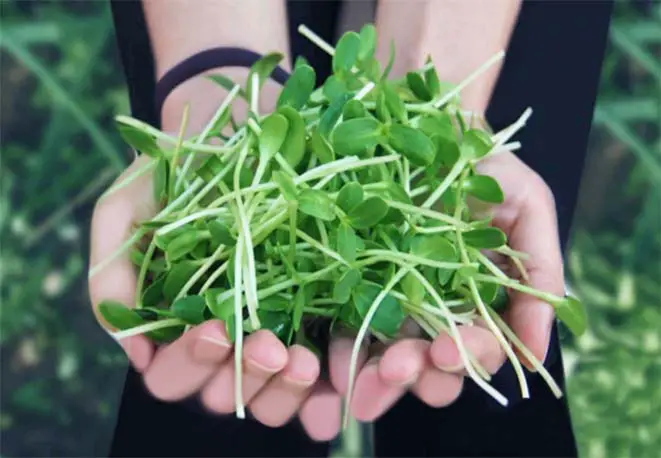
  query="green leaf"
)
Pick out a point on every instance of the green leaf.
point(487, 238)
point(321, 148)
point(190, 309)
point(346, 52)
point(431, 78)
point(391, 61)
point(286, 185)
point(299, 304)
point(334, 88)
point(367, 42)
point(220, 309)
point(354, 109)
point(572, 313)
point(118, 315)
point(389, 315)
point(332, 114)
point(220, 234)
point(382, 112)
point(293, 148)
point(275, 304)
point(484, 188)
point(394, 103)
point(347, 243)
point(139, 140)
point(278, 323)
point(263, 68)
point(447, 150)
point(274, 131)
point(368, 213)
point(177, 277)
point(344, 285)
point(438, 124)
point(395, 191)
point(245, 177)
point(488, 292)
point(153, 294)
point(298, 88)
point(350, 196)
point(418, 86)
point(356, 136)
point(160, 180)
point(121, 317)
point(434, 247)
point(317, 204)
point(300, 60)
point(413, 144)
point(181, 245)
point(227, 84)
point(211, 167)
point(413, 289)
point(475, 144)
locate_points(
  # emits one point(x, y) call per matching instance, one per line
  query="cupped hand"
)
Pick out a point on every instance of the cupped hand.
point(433, 371)
point(278, 382)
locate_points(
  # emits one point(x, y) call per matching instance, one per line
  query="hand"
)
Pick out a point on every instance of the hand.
point(278, 382)
point(433, 371)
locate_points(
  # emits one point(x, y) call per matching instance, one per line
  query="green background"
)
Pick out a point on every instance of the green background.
point(61, 85)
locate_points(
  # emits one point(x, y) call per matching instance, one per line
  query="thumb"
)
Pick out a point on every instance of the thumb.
point(112, 224)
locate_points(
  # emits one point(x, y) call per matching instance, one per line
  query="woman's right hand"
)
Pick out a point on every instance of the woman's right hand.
point(278, 382)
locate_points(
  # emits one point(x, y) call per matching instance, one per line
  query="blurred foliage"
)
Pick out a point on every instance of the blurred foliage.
point(614, 263)
point(61, 84)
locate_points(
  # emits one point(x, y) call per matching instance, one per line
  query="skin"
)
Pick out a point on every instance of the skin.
point(281, 383)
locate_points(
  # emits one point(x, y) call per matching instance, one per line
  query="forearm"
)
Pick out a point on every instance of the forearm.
point(180, 28)
point(459, 35)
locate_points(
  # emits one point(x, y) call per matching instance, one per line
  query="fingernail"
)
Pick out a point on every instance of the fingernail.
point(273, 362)
point(451, 369)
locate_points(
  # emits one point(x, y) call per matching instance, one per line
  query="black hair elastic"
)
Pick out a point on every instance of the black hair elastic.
point(207, 60)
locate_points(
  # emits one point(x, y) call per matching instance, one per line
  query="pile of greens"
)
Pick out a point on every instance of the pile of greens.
point(346, 206)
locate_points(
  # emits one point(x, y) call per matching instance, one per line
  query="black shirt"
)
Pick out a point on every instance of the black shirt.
point(553, 64)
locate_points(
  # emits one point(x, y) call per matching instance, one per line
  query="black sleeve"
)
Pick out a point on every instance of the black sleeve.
point(553, 65)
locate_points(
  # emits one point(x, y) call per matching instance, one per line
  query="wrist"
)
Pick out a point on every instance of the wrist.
point(204, 96)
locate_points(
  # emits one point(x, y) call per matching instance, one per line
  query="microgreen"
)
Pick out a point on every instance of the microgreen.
point(347, 205)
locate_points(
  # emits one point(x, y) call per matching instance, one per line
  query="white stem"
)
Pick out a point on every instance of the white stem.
point(205, 133)
point(414, 211)
point(316, 39)
point(454, 331)
point(238, 330)
point(254, 94)
point(481, 69)
point(518, 369)
point(447, 182)
point(144, 328)
point(201, 271)
point(539, 367)
point(361, 336)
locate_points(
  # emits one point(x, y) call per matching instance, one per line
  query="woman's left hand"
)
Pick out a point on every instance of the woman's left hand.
point(433, 371)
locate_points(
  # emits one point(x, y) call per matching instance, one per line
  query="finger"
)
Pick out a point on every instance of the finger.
point(321, 413)
point(529, 218)
point(263, 357)
point(371, 395)
point(402, 363)
point(535, 233)
point(339, 362)
point(478, 341)
point(112, 224)
point(181, 368)
point(279, 401)
point(437, 388)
